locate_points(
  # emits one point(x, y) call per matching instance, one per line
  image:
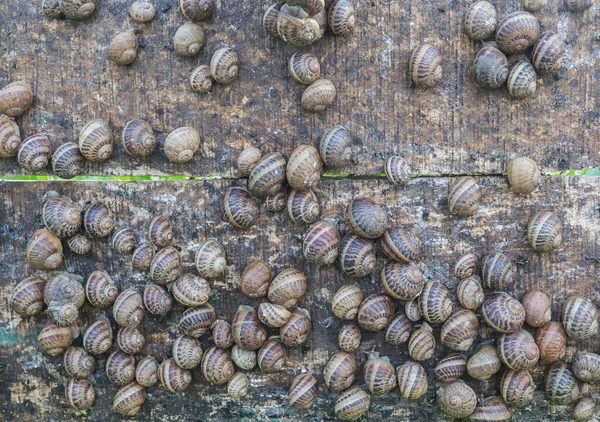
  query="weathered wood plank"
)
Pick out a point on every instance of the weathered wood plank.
point(31, 384)
point(456, 128)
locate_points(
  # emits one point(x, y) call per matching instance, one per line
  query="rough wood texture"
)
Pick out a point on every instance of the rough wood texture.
point(455, 129)
point(31, 383)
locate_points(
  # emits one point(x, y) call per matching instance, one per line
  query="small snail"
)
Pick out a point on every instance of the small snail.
point(256, 279)
point(130, 340)
point(425, 66)
point(339, 371)
point(138, 139)
point(210, 259)
point(484, 363)
point(537, 308)
point(349, 338)
point(450, 368)
point(397, 170)
point(352, 404)
point(296, 330)
point(579, 5)
point(533, 5)
point(28, 298)
point(366, 218)
point(239, 207)
point(435, 303)
point(402, 281)
point(470, 292)
point(516, 32)
point(78, 362)
point(160, 231)
point(584, 409)
point(296, 27)
point(100, 289)
point(247, 160)
point(10, 137)
point(346, 302)
point(247, 330)
point(268, 175)
point(224, 65)
point(357, 257)
point(400, 244)
point(273, 315)
point(303, 391)
point(561, 385)
point(129, 399)
point(222, 334)
point(120, 368)
point(67, 161)
point(276, 202)
point(96, 140)
point(375, 312)
point(15, 98)
point(518, 351)
point(544, 232)
point(303, 206)
point(411, 309)
point(335, 146)
point(412, 380)
point(196, 321)
point(34, 152)
point(181, 144)
point(522, 80)
point(524, 175)
point(189, 39)
point(516, 387)
point(51, 9)
point(552, 342)
point(80, 244)
point(421, 344)
point(503, 313)
point(98, 220)
point(270, 19)
point(491, 409)
point(80, 393)
point(166, 266)
point(548, 53)
point(61, 217)
point(379, 374)
point(491, 66)
point(123, 48)
point(98, 337)
point(245, 359)
point(460, 330)
point(237, 387)
point(497, 271)
point(304, 68)
point(54, 340)
point(456, 400)
point(123, 241)
point(341, 18)
point(481, 20)
point(187, 352)
point(586, 367)
point(318, 95)
point(141, 11)
point(128, 308)
point(142, 257)
point(464, 197)
point(196, 10)
point(146, 372)
point(287, 287)
point(304, 167)
point(201, 79)
point(217, 366)
point(580, 318)
point(271, 356)
point(174, 378)
point(156, 300)
point(44, 251)
point(321, 244)
point(78, 9)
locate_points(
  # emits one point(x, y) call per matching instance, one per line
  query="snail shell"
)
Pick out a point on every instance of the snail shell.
point(304, 67)
point(402, 281)
point(98, 220)
point(491, 66)
point(273, 315)
point(456, 400)
point(247, 330)
point(129, 399)
point(312, 7)
point(15, 98)
point(349, 338)
point(196, 10)
point(552, 342)
point(421, 344)
point(130, 340)
point(379, 374)
point(518, 351)
point(191, 290)
point(352, 404)
point(304, 168)
point(146, 372)
point(98, 337)
point(303, 391)
point(579, 5)
point(586, 367)
point(484, 363)
point(123, 240)
point(425, 66)
point(491, 409)
point(294, 26)
point(247, 160)
point(271, 356)
point(80, 244)
point(217, 366)
point(10, 137)
point(460, 330)
point(142, 257)
point(51, 9)
point(481, 20)
point(435, 303)
point(64, 314)
point(464, 197)
point(128, 309)
point(201, 79)
point(187, 352)
point(522, 80)
point(400, 245)
point(196, 321)
point(287, 287)
point(156, 300)
point(318, 95)
point(533, 5)
point(44, 251)
point(96, 140)
point(397, 170)
point(366, 218)
point(516, 387)
point(335, 146)
point(138, 139)
point(28, 297)
point(67, 161)
point(78, 9)
point(239, 207)
point(174, 378)
point(412, 311)
point(268, 175)
point(450, 368)
point(123, 48)
point(321, 244)
point(548, 53)
point(64, 288)
point(34, 152)
point(222, 334)
point(524, 175)
point(346, 302)
point(256, 279)
point(276, 202)
point(210, 259)
point(120, 368)
point(470, 292)
point(181, 144)
point(245, 359)
point(341, 17)
point(270, 19)
point(61, 217)
point(296, 330)
point(54, 340)
point(78, 363)
point(375, 312)
point(166, 266)
point(100, 289)
point(584, 409)
point(141, 11)
point(580, 318)
point(160, 231)
point(224, 65)
point(516, 32)
point(339, 371)
point(561, 385)
point(189, 39)
point(503, 313)
point(537, 308)
point(497, 271)
point(303, 207)
point(412, 380)
point(357, 257)
point(544, 232)
point(237, 387)
point(80, 393)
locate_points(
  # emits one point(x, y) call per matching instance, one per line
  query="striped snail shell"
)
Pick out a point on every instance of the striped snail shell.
point(80, 393)
point(246, 328)
point(138, 139)
point(201, 79)
point(130, 340)
point(335, 146)
point(491, 409)
point(412, 310)
point(425, 66)
point(503, 313)
point(517, 31)
point(524, 175)
point(64, 314)
point(561, 385)
point(516, 387)
point(366, 218)
point(346, 302)
point(217, 366)
point(61, 217)
point(156, 300)
point(237, 387)
point(497, 271)
point(10, 137)
point(580, 318)
point(98, 337)
point(222, 334)
point(357, 257)
point(484, 363)
point(181, 144)
point(375, 312)
point(247, 160)
point(244, 359)
point(239, 208)
point(544, 232)
point(352, 404)
point(174, 378)
point(196, 10)
point(304, 167)
point(412, 380)
point(123, 48)
point(321, 244)
point(128, 308)
point(318, 95)
point(120, 368)
point(533, 5)
point(189, 39)
point(294, 26)
point(339, 371)
point(100, 289)
point(64, 288)
point(267, 177)
point(586, 367)
point(166, 266)
point(141, 11)
point(584, 409)
point(15, 98)
point(67, 161)
point(312, 7)
point(271, 356)
point(491, 67)
point(397, 170)
point(349, 338)
point(303, 391)
point(269, 19)
point(379, 374)
point(44, 251)
point(465, 266)
point(129, 399)
point(51, 9)
point(464, 197)
point(276, 202)
point(187, 352)
point(296, 330)
point(304, 67)
point(341, 17)
point(98, 220)
point(96, 140)
point(146, 372)
point(142, 257)
point(77, 9)
point(196, 321)
point(435, 303)
point(54, 340)
point(273, 315)
point(80, 244)
point(470, 292)
point(421, 344)
point(522, 80)
point(303, 207)
point(78, 362)
point(518, 350)
point(28, 297)
point(450, 368)
point(123, 240)
point(537, 308)
point(210, 259)
point(552, 342)
point(400, 244)
point(579, 5)
point(160, 231)
point(481, 20)
point(256, 279)
point(402, 281)
point(224, 65)
point(460, 330)
point(456, 400)
point(34, 152)
point(287, 288)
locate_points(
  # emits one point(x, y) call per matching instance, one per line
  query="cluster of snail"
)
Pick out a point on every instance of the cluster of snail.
point(306, 69)
point(70, 9)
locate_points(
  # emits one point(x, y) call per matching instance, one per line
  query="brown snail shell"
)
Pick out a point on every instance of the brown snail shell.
point(80, 244)
point(304, 67)
point(524, 175)
point(191, 290)
point(142, 257)
point(128, 309)
point(217, 366)
point(196, 321)
point(34, 152)
point(303, 391)
point(481, 20)
point(174, 378)
point(375, 312)
point(321, 244)
point(78, 9)
point(294, 26)
point(196, 10)
point(349, 338)
point(460, 330)
point(270, 19)
point(400, 244)
point(552, 342)
point(44, 251)
point(402, 281)
point(166, 266)
point(339, 371)
point(412, 311)
point(303, 207)
point(352, 404)
point(450, 368)
point(187, 352)
point(271, 356)
point(341, 17)
point(160, 231)
point(497, 271)
point(96, 140)
point(100, 289)
point(421, 344)
point(397, 170)
point(425, 66)
point(28, 297)
point(78, 362)
point(503, 313)
point(181, 144)
point(379, 374)
point(256, 279)
point(123, 240)
point(544, 232)
point(10, 137)
point(516, 32)
point(533, 5)
point(247, 330)
point(130, 340)
point(224, 65)
point(484, 363)
point(51, 9)
point(522, 80)
point(120, 368)
point(64, 288)
point(129, 399)
point(516, 387)
point(98, 220)
point(456, 400)
point(470, 292)
point(357, 256)
point(287, 287)
point(412, 380)
point(561, 385)
point(64, 314)
point(464, 197)
point(15, 98)
point(201, 79)
point(296, 330)
point(67, 161)
point(141, 11)
point(267, 176)
point(222, 334)
point(247, 160)
point(584, 409)
point(518, 351)
point(138, 138)
point(579, 5)
point(237, 387)
point(318, 95)
point(491, 66)
point(304, 168)
point(491, 409)
point(61, 217)
point(54, 340)
point(210, 259)
point(189, 39)
point(146, 372)
point(346, 302)
point(80, 393)
point(312, 7)
point(580, 318)
point(586, 367)
point(335, 146)
point(435, 303)
point(366, 218)
point(273, 315)
point(123, 48)
point(239, 207)
point(244, 359)
point(98, 337)
point(156, 300)
point(537, 308)
point(276, 202)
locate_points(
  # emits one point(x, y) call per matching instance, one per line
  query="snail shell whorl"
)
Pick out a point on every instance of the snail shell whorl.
point(239, 208)
point(268, 175)
point(367, 218)
point(491, 409)
point(146, 372)
point(346, 302)
point(181, 144)
point(123, 48)
point(98, 220)
point(142, 11)
point(303, 391)
point(15, 98)
point(67, 161)
point(425, 66)
point(101, 290)
point(412, 380)
point(128, 309)
point(210, 259)
point(138, 139)
point(96, 140)
point(435, 303)
point(166, 266)
point(561, 385)
point(78, 362)
point(402, 281)
point(457, 400)
point(318, 95)
point(552, 342)
point(189, 39)
point(256, 279)
point(450, 368)
point(464, 197)
point(516, 387)
point(481, 20)
point(304, 68)
point(287, 287)
point(335, 146)
point(34, 152)
point(174, 378)
point(503, 313)
point(352, 404)
point(517, 31)
point(460, 330)
point(28, 298)
point(196, 10)
point(321, 244)
point(10, 137)
point(339, 371)
point(44, 251)
point(544, 232)
point(303, 207)
point(580, 318)
point(80, 393)
point(129, 399)
point(491, 67)
point(98, 337)
point(61, 217)
point(195, 322)
point(357, 256)
point(120, 368)
point(522, 80)
point(375, 312)
point(341, 17)
point(142, 257)
point(523, 174)
point(224, 65)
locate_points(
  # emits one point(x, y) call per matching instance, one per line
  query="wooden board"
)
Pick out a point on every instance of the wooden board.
point(456, 128)
point(31, 383)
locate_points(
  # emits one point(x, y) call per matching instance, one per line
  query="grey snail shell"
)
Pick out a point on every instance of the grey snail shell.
point(142, 257)
point(44, 251)
point(181, 144)
point(544, 232)
point(533, 5)
point(160, 231)
point(98, 220)
point(156, 300)
point(120, 368)
point(222, 335)
point(579, 5)
point(318, 95)
point(130, 340)
point(78, 362)
point(123, 240)
point(78, 9)
point(491, 67)
point(80, 244)
point(268, 175)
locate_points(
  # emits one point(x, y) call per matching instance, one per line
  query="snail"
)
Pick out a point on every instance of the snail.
point(533, 5)
point(128, 308)
point(239, 208)
point(270, 19)
point(303, 391)
point(450, 368)
point(55, 340)
point(287, 288)
point(580, 318)
point(303, 206)
point(464, 197)
point(435, 303)
point(304, 68)
point(456, 400)
point(222, 334)
point(78, 9)
point(518, 350)
point(80, 393)
point(421, 344)
point(181, 144)
point(561, 386)
point(64, 288)
point(312, 7)
point(397, 170)
point(80, 244)
point(160, 231)
point(398, 330)
point(34, 152)
point(120, 368)
point(460, 330)
point(247, 330)
point(189, 39)
point(100, 289)
point(318, 95)
point(402, 281)
point(552, 342)
point(195, 322)
point(321, 244)
point(379, 374)
point(517, 31)
point(470, 292)
point(352, 404)
point(491, 409)
point(522, 80)
point(51, 9)
point(268, 175)
point(497, 271)
point(146, 372)
point(346, 302)
point(28, 298)
point(366, 218)
point(295, 26)
point(579, 5)
point(166, 266)
point(123, 48)
point(339, 371)
point(491, 66)
point(196, 10)
point(67, 161)
point(503, 313)
point(61, 217)
point(138, 139)
point(524, 175)
point(210, 259)
point(375, 312)
point(544, 232)
point(271, 356)
point(411, 309)
point(273, 315)
point(412, 380)
point(10, 137)
point(516, 387)
point(201, 79)
point(349, 338)
point(96, 140)
point(98, 337)
point(15, 98)
point(247, 160)
point(142, 257)
point(217, 366)
point(141, 11)
point(341, 18)
point(357, 257)
point(245, 359)
point(586, 367)
point(304, 167)
point(130, 340)
point(237, 387)
point(123, 241)
point(44, 251)
point(78, 362)
point(187, 352)
point(481, 20)
point(224, 65)
point(425, 66)
point(276, 202)
point(129, 399)
point(400, 244)
point(296, 330)
point(484, 363)
point(256, 279)
point(584, 409)
point(537, 308)
point(156, 300)
point(98, 220)
point(335, 146)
